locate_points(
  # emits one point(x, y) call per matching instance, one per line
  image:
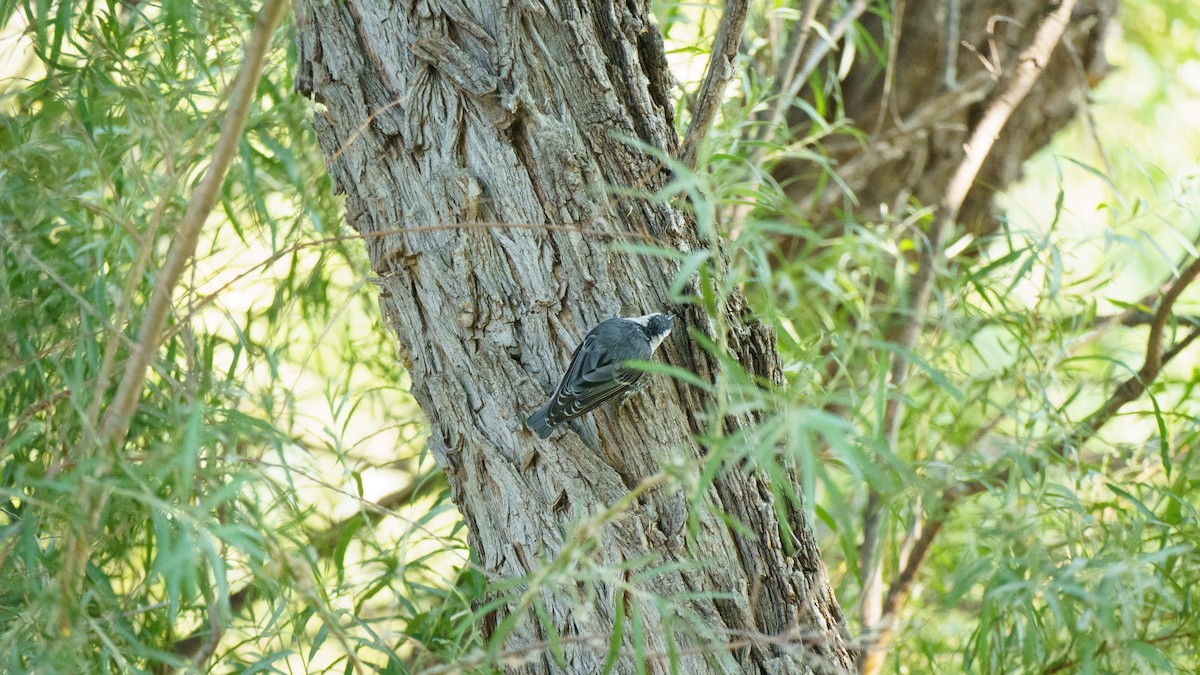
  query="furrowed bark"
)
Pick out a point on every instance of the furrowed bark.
point(466, 112)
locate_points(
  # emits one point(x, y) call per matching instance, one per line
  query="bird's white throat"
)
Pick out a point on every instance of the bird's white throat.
point(656, 341)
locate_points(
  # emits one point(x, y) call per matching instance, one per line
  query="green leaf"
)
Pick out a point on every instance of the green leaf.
point(617, 637)
point(675, 372)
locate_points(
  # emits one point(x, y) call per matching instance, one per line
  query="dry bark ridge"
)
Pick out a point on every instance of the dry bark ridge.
point(493, 112)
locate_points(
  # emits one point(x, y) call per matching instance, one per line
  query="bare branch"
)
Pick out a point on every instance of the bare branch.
point(717, 74)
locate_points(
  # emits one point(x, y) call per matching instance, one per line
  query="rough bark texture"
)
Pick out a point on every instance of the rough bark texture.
point(458, 111)
point(934, 101)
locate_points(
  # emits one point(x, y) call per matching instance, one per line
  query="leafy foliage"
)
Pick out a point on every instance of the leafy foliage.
point(248, 442)
point(248, 497)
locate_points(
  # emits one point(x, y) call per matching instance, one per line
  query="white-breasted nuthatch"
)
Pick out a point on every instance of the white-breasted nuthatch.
point(598, 372)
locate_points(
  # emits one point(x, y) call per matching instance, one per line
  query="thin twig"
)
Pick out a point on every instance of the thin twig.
point(717, 75)
point(369, 505)
point(814, 59)
point(1135, 316)
point(950, 44)
point(58, 279)
point(207, 300)
point(1136, 386)
point(41, 406)
point(807, 17)
point(434, 479)
point(1029, 67)
point(1088, 115)
point(1072, 664)
point(889, 75)
point(794, 83)
point(133, 282)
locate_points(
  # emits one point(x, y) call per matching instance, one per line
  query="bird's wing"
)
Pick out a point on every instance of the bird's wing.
point(593, 377)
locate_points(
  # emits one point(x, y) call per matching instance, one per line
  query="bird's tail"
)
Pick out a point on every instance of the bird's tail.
point(538, 423)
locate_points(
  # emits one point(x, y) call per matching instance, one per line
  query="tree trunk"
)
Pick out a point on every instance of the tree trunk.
point(441, 113)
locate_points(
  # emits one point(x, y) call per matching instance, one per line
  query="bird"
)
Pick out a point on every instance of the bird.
point(599, 370)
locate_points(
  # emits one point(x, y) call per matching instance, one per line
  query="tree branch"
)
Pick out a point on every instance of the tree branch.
point(115, 424)
point(375, 511)
point(807, 16)
point(200, 644)
point(1029, 66)
point(796, 83)
point(205, 639)
point(1072, 664)
point(716, 77)
point(1135, 386)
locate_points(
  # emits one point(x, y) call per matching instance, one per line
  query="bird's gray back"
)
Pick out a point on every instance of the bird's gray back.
point(597, 371)
point(624, 340)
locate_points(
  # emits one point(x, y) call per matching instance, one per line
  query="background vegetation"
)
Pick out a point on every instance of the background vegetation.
point(273, 482)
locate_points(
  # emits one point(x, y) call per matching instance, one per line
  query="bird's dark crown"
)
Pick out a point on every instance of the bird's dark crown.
point(655, 325)
point(659, 324)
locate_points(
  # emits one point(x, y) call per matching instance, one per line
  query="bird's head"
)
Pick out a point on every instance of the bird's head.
point(657, 327)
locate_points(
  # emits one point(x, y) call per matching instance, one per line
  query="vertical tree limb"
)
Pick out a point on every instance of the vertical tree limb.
point(114, 426)
point(716, 76)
